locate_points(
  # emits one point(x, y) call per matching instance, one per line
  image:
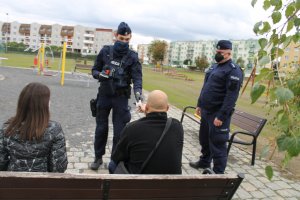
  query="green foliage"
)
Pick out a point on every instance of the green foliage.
point(157, 50)
point(202, 62)
point(187, 62)
point(256, 92)
point(241, 62)
point(284, 96)
point(269, 172)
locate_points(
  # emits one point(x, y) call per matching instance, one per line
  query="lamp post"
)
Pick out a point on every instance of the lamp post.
point(6, 33)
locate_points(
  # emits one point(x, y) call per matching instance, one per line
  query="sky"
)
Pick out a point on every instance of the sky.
point(170, 20)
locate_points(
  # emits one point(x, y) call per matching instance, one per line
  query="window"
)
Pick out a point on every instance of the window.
point(286, 57)
point(295, 58)
point(296, 49)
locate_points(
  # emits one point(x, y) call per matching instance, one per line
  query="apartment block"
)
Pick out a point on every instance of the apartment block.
point(290, 60)
point(180, 51)
point(80, 39)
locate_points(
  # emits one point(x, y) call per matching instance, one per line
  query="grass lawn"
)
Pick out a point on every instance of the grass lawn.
point(25, 60)
point(182, 93)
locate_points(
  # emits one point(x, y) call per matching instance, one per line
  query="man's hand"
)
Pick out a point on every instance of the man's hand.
point(217, 122)
point(141, 107)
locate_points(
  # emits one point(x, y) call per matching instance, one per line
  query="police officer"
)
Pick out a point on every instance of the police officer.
point(116, 67)
point(215, 106)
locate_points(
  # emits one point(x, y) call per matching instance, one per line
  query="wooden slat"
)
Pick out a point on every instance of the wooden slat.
point(18, 185)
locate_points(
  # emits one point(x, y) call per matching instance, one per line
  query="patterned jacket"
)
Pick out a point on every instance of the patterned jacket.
point(47, 155)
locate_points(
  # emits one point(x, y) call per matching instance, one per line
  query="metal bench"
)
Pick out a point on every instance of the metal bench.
point(82, 67)
point(251, 126)
point(29, 185)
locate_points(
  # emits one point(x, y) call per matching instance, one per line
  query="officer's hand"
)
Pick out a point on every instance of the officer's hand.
point(138, 97)
point(198, 111)
point(217, 122)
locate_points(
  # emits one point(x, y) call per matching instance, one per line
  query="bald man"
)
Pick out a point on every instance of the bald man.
point(139, 138)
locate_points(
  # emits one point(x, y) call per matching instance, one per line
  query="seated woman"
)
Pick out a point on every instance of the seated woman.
point(29, 141)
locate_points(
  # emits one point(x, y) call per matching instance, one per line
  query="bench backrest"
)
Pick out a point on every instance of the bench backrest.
point(248, 122)
point(24, 185)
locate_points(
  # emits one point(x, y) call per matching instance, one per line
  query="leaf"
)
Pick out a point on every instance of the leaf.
point(296, 37)
point(266, 28)
point(297, 4)
point(253, 2)
point(284, 95)
point(283, 121)
point(294, 146)
point(276, 17)
point(264, 60)
point(290, 10)
point(267, 4)
point(278, 6)
point(294, 85)
point(274, 39)
point(256, 27)
point(290, 25)
point(282, 38)
point(283, 142)
point(262, 53)
point(256, 92)
point(265, 74)
point(269, 172)
point(264, 152)
point(263, 42)
point(287, 41)
point(297, 22)
point(274, 2)
point(286, 159)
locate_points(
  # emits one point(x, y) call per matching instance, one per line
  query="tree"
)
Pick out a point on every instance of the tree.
point(187, 62)
point(241, 62)
point(201, 62)
point(284, 96)
point(157, 50)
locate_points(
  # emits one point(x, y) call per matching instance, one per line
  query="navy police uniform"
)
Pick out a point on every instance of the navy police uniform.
point(116, 68)
point(217, 100)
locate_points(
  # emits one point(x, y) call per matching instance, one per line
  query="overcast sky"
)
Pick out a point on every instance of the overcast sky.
point(172, 20)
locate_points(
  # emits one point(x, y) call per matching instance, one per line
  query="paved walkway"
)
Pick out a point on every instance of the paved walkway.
point(70, 106)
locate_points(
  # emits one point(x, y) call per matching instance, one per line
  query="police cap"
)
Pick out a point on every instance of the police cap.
point(123, 29)
point(224, 44)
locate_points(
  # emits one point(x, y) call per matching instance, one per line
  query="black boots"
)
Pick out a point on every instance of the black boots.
point(199, 164)
point(96, 164)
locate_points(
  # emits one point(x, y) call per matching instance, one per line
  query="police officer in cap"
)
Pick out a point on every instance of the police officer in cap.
point(116, 67)
point(215, 105)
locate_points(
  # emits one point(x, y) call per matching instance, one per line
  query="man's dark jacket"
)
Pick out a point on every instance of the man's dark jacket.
point(139, 138)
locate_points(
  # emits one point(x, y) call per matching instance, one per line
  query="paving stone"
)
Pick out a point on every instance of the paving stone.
point(258, 194)
point(248, 186)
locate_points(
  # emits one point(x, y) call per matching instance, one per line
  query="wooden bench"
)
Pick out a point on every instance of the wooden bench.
point(251, 126)
point(32, 185)
point(82, 67)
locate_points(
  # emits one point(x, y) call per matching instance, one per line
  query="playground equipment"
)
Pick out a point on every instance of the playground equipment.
point(41, 62)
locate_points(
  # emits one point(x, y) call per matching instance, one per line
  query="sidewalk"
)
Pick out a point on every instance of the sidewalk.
point(70, 106)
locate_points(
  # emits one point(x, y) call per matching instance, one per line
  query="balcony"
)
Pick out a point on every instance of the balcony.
point(88, 42)
point(89, 35)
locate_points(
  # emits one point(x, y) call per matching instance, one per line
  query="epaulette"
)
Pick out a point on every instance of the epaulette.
point(233, 65)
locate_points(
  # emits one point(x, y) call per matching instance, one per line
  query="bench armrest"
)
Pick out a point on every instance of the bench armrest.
point(184, 113)
point(232, 137)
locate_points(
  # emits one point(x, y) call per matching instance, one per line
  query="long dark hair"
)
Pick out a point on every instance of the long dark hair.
point(32, 116)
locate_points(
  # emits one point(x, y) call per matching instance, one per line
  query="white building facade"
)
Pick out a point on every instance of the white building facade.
point(80, 39)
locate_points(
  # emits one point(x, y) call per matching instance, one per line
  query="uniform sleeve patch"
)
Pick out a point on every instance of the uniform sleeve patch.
point(234, 78)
